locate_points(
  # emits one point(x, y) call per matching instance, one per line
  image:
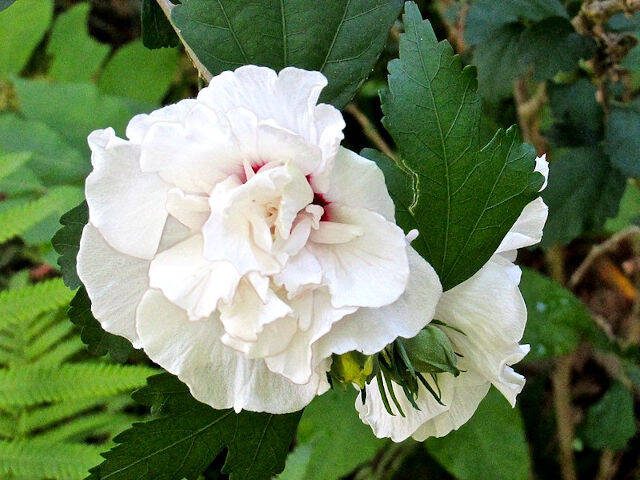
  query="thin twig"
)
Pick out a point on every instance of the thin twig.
point(370, 130)
point(528, 109)
point(167, 7)
point(600, 249)
point(561, 379)
point(609, 461)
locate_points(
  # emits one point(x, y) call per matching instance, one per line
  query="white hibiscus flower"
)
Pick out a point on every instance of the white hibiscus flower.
point(488, 316)
point(235, 242)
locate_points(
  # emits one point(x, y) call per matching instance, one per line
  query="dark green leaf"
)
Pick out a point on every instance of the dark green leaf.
point(577, 115)
point(5, 4)
point(583, 191)
point(467, 197)
point(557, 321)
point(332, 440)
point(486, 16)
point(74, 110)
point(339, 38)
point(623, 139)
point(97, 340)
point(157, 31)
point(490, 445)
point(66, 242)
point(610, 423)
point(187, 435)
point(552, 46)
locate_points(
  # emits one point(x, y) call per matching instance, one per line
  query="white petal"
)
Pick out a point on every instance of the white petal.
point(371, 270)
point(126, 205)
point(215, 374)
point(139, 125)
point(528, 227)
point(490, 310)
point(301, 270)
point(190, 210)
point(542, 166)
point(333, 233)
point(274, 338)
point(247, 314)
point(369, 330)
point(358, 182)
point(191, 281)
point(115, 283)
point(316, 316)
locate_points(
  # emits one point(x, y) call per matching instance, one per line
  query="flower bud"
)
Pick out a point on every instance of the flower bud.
point(352, 367)
point(431, 351)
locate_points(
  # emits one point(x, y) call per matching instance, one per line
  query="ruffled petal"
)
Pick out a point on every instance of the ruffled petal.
point(358, 182)
point(490, 310)
point(190, 281)
point(139, 125)
point(528, 227)
point(216, 375)
point(369, 330)
point(372, 269)
point(126, 205)
point(115, 283)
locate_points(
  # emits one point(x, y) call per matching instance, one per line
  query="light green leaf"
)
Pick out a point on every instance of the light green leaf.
point(21, 28)
point(332, 440)
point(623, 139)
point(610, 423)
point(10, 163)
point(490, 445)
point(583, 191)
point(339, 38)
point(54, 162)
point(188, 435)
point(629, 213)
point(74, 110)
point(556, 322)
point(76, 56)
point(466, 197)
point(139, 73)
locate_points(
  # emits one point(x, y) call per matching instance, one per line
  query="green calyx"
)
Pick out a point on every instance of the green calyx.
point(431, 351)
point(352, 368)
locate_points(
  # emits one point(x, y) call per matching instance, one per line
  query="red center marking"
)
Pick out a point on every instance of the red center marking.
point(318, 199)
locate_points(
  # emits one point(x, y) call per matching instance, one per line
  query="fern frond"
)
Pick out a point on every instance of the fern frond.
point(19, 219)
point(11, 162)
point(61, 352)
point(97, 424)
point(48, 339)
point(24, 304)
point(35, 459)
point(32, 384)
point(44, 417)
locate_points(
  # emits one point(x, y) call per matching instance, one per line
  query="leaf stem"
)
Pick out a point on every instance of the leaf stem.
point(204, 73)
point(370, 131)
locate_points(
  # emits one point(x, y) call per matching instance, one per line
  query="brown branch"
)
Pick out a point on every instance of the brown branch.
point(528, 109)
point(561, 380)
point(370, 130)
point(598, 250)
point(166, 7)
point(609, 462)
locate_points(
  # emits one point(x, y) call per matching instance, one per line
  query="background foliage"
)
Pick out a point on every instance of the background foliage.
point(566, 72)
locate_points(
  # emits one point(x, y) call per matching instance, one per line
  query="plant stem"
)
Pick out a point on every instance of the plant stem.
point(167, 7)
point(370, 130)
point(561, 380)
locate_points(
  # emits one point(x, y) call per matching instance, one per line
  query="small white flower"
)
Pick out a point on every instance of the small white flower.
point(236, 242)
point(490, 311)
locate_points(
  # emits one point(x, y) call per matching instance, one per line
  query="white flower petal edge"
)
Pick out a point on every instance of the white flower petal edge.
point(490, 310)
point(234, 240)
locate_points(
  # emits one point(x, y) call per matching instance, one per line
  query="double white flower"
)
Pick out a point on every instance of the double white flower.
point(236, 242)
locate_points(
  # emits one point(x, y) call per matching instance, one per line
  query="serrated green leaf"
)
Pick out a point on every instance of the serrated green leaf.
point(466, 197)
point(610, 423)
point(157, 31)
point(556, 320)
point(98, 341)
point(332, 440)
point(66, 241)
point(54, 162)
point(139, 73)
point(188, 435)
point(623, 139)
point(584, 190)
point(490, 445)
point(21, 29)
point(5, 4)
point(76, 56)
point(339, 38)
point(74, 110)
point(629, 212)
